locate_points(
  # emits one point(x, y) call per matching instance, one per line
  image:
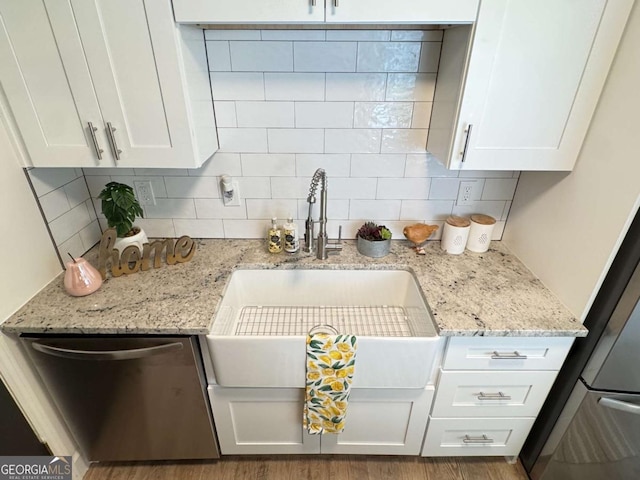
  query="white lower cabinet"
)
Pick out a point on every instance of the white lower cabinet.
point(457, 437)
point(269, 421)
point(489, 393)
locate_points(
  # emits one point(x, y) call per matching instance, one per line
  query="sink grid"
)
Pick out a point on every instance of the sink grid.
point(375, 321)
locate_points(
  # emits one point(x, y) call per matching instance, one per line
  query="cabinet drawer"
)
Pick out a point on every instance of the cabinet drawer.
point(494, 394)
point(453, 437)
point(506, 353)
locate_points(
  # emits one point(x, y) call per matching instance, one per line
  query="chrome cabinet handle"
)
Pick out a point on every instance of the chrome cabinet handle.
point(116, 151)
point(466, 141)
point(508, 356)
point(335, 3)
point(313, 3)
point(493, 396)
point(131, 354)
point(481, 440)
point(92, 131)
point(620, 405)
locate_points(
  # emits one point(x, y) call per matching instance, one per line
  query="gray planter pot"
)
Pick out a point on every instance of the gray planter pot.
point(373, 249)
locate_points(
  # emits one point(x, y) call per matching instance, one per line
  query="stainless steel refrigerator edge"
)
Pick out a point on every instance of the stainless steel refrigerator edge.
point(596, 434)
point(129, 398)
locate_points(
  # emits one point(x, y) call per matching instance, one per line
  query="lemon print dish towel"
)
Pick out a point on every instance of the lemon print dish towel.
point(330, 366)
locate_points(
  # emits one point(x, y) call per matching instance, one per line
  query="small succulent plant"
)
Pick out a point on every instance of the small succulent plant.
point(373, 232)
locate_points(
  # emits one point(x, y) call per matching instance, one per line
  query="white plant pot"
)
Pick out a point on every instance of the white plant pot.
point(138, 240)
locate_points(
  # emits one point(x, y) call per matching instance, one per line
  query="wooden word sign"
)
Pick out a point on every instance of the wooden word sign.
point(133, 260)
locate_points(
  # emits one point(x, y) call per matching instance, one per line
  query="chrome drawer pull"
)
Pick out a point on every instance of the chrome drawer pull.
point(482, 440)
point(508, 356)
point(466, 143)
point(313, 3)
point(493, 396)
point(110, 130)
point(92, 131)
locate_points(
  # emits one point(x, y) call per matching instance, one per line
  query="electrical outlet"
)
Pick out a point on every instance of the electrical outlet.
point(232, 199)
point(144, 192)
point(468, 194)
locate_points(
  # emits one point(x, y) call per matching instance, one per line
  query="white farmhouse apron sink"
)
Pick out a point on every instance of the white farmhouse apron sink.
point(258, 336)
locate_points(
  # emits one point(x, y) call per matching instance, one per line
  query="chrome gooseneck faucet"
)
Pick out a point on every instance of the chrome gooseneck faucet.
point(323, 247)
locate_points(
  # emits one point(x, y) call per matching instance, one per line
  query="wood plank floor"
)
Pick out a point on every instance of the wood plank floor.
point(325, 467)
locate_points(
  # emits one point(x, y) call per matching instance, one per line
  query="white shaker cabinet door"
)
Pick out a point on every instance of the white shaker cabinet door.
point(48, 85)
point(401, 11)
point(533, 79)
point(133, 56)
point(248, 11)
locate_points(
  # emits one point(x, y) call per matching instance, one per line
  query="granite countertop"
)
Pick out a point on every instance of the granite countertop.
point(490, 294)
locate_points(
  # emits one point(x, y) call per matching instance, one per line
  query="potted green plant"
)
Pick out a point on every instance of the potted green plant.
point(120, 206)
point(373, 240)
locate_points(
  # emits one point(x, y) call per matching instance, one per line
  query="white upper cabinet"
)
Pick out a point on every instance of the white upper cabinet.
point(332, 11)
point(533, 76)
point(248, 11)
point(115, 65)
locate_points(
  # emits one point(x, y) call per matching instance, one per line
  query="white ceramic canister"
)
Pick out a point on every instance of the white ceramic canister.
point(455, 234)
point(480, 233)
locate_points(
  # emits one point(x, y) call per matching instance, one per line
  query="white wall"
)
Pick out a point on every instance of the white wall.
point(567, 227)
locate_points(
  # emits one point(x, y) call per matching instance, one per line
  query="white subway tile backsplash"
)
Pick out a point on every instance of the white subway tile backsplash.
point(54, 204)
point(199, 228)
point(241, 140)
point(294, 86)
point(444, 188)
point(425, 165)
point(77, 192)
point(219, 164)
point(268, 165)
point(425, 210)
point(155, 172)
point(90, 235)
point(493, 208)
point(403, 188)
point(353, 188)
point(171, 208)
point(324, 114)
point(210, 34)
point(388, 56)
point(254, 187)
point(499, 188)
point(74, 246)
point(237, 85)
point(429, 57)
point(406, 140)
point(192, 187)
point(358, 35)
point(505, 211)
point(157, 227)
point(265, 114)
point(335, 164)
point(416, 35)
point(300, 35)
point(291, 140)
point(374, 210)
point(89, 172)
point(219, 56)
point(261, 56)
point(486, 174)
point(290, 187)
point(324, 56)
point(375, 165)
point(69, 223)
point(208, 208)
point(352, 140)
point(45, 180)
point(246, 229)
point(157, 183)
point(336, 210)
point(356, 86)
point(410, 87)
point(421, 115)
point(225, 114)
point(266, 209)
point(383, 114)
point(91, 209)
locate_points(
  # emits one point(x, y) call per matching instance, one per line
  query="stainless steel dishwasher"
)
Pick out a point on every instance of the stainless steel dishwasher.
point(129, 398)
